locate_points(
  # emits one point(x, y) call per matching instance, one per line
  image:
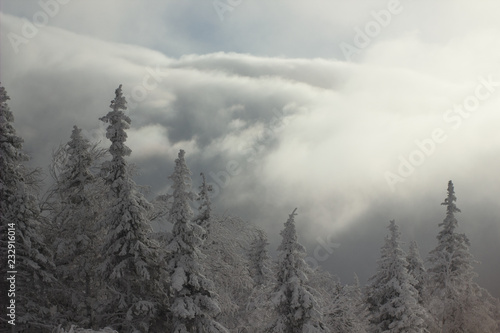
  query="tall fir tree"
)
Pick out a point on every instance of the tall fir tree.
point(77, 202)
point(457, 302)
point(297, 309)
point(254, 300)
point(193, 304)
point(26, 261)
point(130, 267)
point(391, 295)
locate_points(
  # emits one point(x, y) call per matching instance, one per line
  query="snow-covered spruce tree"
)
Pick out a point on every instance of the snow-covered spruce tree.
point(130, 268)
point(457, 302)
point(193, 305)
point(20, 232)
point(262, 272)
point(297, 309)
point(392, 299)
point(77, 201)
point(417, 269)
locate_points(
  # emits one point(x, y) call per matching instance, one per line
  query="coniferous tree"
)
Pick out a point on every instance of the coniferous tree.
point(297, 309)
point(77, 201)
point(21, 236)
point(457, 302)
point(130, 267)
point(261, 271)
point(193, 305)
point(391, 296)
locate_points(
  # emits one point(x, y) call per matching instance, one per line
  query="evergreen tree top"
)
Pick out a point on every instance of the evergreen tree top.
point(78, 148)
point(181, 210)
point(449, 201)
point(449, 223)
point(394, 229)
point(119, 103)
point(118, 123)
point(75, 173)
point(392, 243)
point(181, 171)
point(77, 139)
point(289, 234)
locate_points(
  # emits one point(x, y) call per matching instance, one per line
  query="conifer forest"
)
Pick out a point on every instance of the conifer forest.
point(83, 256)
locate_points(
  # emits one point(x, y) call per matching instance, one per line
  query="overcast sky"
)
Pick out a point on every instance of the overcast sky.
point(356, 112)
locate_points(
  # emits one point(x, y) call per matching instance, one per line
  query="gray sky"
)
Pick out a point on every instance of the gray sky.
point(354, 112)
